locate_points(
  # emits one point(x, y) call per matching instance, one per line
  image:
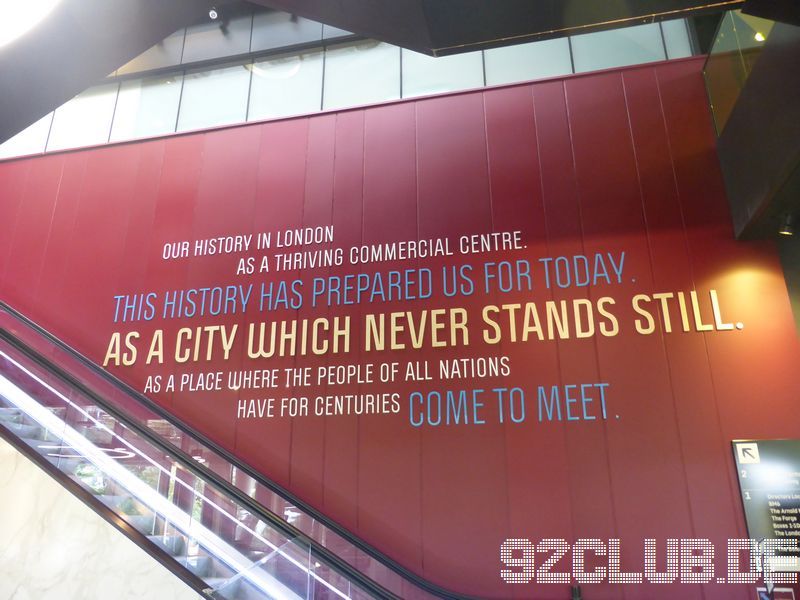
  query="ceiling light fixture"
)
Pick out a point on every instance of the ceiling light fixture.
point(787, 226)
point(213, 14)
point(759, 37)
point(20, 17)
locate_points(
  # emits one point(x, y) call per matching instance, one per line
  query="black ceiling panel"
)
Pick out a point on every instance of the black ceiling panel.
point(785, 11)
point(441, 27)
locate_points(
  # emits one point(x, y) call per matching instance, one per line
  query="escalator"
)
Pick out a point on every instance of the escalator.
point(225, 530)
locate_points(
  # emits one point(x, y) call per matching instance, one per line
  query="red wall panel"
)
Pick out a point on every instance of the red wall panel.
point(591, 165)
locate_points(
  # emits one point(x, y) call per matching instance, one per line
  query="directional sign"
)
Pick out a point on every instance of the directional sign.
point(769, 480)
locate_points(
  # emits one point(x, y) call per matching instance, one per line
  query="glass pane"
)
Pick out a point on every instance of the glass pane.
point(428, 75)
point(287, 85)
point(361, 74)
point(617, 48)
point(216, 97)
point(30, 140)
point(737, 45)
point(676, 38)
point(146, 107)
point(522, 62)
point(85, 120)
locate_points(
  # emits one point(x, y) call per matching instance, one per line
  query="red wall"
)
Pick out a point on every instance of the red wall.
point(604, 163)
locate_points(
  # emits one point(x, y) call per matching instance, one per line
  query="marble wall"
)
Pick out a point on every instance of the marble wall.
point(53, 547)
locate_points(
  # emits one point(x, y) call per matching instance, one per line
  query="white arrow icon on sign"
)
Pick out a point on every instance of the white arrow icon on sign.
point(747, 454)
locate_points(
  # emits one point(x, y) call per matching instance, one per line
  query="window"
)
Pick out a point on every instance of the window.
point(428, 75)
point(284, 86)
point(522, 62)
point(676, 38)
point(216, 97)
point(300, 82)
point(85, 120)
point(617, 48)
point(146, 107)
point(361, 73)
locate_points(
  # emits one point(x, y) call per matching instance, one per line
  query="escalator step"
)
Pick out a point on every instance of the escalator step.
point(175, 545)
point(10, 415)
point(96, 435)
point(24, 431)
point(199, 565)
point(228, 591)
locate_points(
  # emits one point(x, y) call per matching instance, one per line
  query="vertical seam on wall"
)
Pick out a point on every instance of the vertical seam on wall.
point(358, 417)
point(483, 66)
point(609, 476)
point(564, 431)
point(292, 422)
point(60, 277)
point(495, 294)
point(333, 196)
point(49, 237)
point(420, 431)
point(12, 235)
point(662, 338)
point(242, 320)
point(688, 248)
point(488, 162)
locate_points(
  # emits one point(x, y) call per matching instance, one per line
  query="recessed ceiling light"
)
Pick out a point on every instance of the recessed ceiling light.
point(759, 36)
point(20, 17)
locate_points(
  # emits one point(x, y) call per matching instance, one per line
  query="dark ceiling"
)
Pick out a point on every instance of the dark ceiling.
point(441, 27)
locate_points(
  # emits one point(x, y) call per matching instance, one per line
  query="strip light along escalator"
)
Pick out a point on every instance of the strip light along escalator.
point(229, 531)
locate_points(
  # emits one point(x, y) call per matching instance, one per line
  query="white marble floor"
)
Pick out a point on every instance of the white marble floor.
point(53, 547)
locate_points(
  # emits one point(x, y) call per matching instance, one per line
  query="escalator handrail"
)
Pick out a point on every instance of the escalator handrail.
point(204, 472)
point(209, 476)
